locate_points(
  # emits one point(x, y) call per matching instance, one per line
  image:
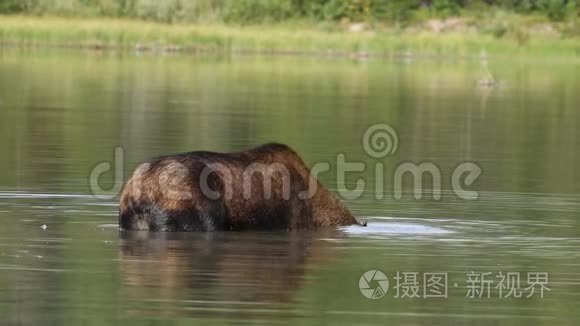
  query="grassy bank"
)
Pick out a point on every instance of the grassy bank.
point(289, 37)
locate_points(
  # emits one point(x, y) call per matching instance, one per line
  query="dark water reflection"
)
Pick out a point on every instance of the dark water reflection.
point(240, 268)
point(63, 113)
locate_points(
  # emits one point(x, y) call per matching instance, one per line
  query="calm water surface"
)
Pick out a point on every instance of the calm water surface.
point(61, 114)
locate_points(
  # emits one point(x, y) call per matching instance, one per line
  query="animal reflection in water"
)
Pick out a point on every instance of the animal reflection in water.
point(231, 267)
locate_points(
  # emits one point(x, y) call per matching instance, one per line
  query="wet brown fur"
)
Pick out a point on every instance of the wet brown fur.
point(145, 204)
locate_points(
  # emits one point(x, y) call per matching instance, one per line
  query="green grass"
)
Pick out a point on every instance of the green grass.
point(289, 37)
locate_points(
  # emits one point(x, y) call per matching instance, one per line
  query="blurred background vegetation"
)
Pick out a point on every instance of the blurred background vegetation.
point(259, 11)
point(427, 27)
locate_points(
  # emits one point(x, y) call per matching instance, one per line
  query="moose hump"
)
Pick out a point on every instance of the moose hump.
point(268, 188)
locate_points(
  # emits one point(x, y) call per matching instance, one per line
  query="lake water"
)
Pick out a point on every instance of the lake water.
point(63, 261)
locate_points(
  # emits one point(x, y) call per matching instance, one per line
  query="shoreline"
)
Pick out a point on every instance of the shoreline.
point(287, 40)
